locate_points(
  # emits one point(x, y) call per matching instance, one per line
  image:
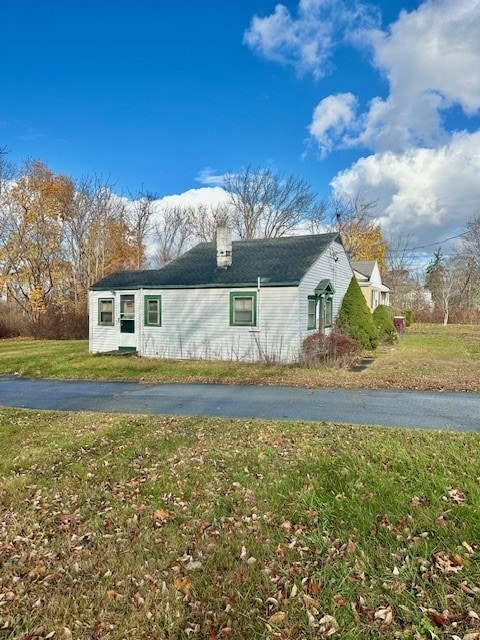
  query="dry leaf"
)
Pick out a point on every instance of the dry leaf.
point(448, 563)
point(328, 626)
point(437, 618)
point(467, 547)
point(419, 502)
point(160, 517)
point(457, 496)
point(182, 584)
point(385, 614)
point(277, 617)
point(311, 604)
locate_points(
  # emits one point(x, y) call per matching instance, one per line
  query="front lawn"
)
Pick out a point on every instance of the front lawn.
point(426, 357)
point(149, 527)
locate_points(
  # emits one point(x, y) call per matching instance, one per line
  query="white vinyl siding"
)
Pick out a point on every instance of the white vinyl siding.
point(196, 325)
point(332, 265)
point(108, 337)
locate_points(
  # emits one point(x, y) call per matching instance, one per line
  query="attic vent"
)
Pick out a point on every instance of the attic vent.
point(224, 247)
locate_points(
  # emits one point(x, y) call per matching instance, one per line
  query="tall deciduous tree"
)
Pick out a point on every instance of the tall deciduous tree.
point(139, 216)
point(362, 237)
point(173, 232)
point(98, 237)
point(263, 203)
point(440, 280)
point(34, 261)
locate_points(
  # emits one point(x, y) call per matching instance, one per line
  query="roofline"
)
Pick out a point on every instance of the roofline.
point(231, 285)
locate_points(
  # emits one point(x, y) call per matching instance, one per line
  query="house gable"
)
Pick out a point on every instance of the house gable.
point(369, 278)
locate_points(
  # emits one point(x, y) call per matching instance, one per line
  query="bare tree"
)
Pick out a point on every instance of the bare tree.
point(173, 233)
point(205, 220)
point(97, 237)
point(267, 204)
point(361, 234)
point(441, 279)
point(399, 273)
point(139, 216)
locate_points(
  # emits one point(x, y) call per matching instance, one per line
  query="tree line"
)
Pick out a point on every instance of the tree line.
point(59, 236)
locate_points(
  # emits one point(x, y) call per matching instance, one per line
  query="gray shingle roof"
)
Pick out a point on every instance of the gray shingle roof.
point(365, 267)
point(276, 260)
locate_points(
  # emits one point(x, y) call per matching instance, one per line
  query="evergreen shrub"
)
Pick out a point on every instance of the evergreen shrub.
point(355, 319)
point(383, 319)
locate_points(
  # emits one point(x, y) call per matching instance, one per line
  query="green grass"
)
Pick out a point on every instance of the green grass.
point(148, 527)
point(426, 357)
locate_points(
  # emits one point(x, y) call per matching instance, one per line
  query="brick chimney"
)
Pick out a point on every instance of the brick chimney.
point(224, 247)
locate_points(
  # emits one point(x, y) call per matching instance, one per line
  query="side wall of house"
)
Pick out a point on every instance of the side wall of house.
point(333, 265)
point(196, 324)
point(366, 289)
point(104, 338)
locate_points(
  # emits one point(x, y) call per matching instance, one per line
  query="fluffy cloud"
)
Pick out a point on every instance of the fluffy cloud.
point(423, 173)
point(208, 196)
point(332, 116)
point(424, 193)
point(307, 41)
point(431, 59)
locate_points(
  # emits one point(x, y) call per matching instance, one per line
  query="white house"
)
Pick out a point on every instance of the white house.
point(368, 277)
point(252, 300)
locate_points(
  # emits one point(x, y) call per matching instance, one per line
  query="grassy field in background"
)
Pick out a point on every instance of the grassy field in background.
point(149, 527)
point(426, 357)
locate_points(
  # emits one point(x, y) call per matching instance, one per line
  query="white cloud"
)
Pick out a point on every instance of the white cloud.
point(332, 116)
point(431, 59)
point(307, 41)
point(423, 173)
point(209, 176)
point(424, 193)
point(208, 196)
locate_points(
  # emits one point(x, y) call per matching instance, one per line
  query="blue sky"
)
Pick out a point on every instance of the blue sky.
point(379, 98)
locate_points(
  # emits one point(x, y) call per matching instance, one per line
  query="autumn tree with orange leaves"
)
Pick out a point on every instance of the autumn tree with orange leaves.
point(58, 238)
point(362, 237)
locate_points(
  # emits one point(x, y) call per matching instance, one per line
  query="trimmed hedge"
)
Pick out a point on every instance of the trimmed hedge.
point(355, 319)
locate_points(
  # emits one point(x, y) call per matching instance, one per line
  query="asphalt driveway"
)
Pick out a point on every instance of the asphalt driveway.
point(422, 409)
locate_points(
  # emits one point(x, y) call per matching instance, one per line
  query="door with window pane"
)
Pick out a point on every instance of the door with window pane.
point(127, 314)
